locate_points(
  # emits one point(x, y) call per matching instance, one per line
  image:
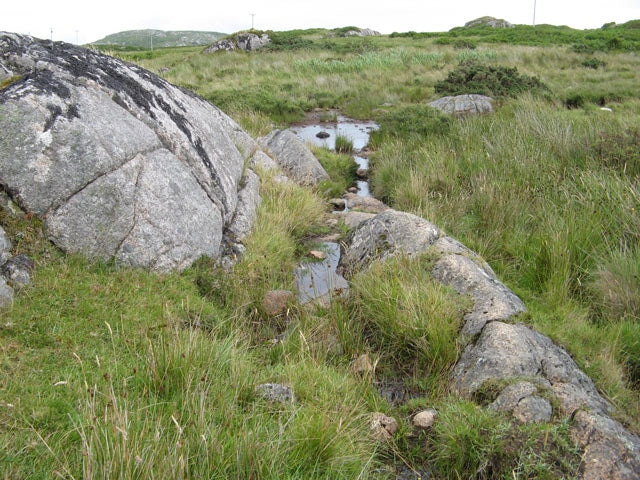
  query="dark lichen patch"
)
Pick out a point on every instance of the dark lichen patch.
point(115, 75)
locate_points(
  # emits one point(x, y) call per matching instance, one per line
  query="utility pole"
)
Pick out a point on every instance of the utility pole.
point(252, 16)
point(51, 29)
point(534, 13)
point(151, 40)
point(77, 42)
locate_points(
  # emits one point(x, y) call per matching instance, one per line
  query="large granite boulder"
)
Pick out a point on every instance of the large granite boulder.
point(467, 104)
point(294, 157)
point(120, 163)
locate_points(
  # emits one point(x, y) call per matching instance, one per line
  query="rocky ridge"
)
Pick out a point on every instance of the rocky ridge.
point(533, 374)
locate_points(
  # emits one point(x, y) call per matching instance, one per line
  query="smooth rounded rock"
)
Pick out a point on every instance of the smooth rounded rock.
point(425, 419)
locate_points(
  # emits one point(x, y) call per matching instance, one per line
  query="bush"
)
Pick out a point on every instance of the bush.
point(593, 63)
point(463, 43)
point(574, 100)
point(494, 81)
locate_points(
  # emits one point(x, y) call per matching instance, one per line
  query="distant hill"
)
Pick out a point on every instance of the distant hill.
point(160, 38)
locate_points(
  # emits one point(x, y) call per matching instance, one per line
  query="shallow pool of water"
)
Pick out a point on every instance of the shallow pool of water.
point(356, 131)
point(318, 279)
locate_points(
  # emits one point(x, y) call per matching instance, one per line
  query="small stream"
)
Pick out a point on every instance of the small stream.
point(356, 131)
point(318, 280)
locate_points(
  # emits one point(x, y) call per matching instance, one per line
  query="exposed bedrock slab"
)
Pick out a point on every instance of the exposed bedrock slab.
point(119, 162)
point(505, 351)
point(491, 299)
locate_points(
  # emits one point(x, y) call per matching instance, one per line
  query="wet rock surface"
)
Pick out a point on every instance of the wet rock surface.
point(467, 104)
point(122, 164)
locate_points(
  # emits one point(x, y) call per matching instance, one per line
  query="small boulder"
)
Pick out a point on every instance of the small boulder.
point(17, 270)
point(338, 203)
point(464, 104)
point(425, 419)
point(490, 22)
point(276, 302)
point(362, 172)
point(263, 161)
point(317, 254)
point(323, 135)
point(293, 155)
point(276, 392)
point(250, 41)
point(382, 427)
point(352, 190)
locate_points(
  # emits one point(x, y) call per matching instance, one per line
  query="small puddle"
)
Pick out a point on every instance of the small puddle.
point(356, 131)
point(319, 279)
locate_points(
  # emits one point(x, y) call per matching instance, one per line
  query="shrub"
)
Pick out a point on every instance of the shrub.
point(463, 43)
point(574, 100)
point(593, 63)
point(495, 81)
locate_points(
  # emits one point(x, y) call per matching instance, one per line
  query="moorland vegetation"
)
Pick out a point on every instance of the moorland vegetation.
point(124, 374)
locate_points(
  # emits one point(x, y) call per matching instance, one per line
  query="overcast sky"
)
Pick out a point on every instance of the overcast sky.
point(85, 21)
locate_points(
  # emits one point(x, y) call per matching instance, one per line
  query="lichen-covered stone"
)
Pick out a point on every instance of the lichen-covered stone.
point(491, 299)
point(276, 392)
point(295, 158)
point(388, 233)
point(464, 104)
